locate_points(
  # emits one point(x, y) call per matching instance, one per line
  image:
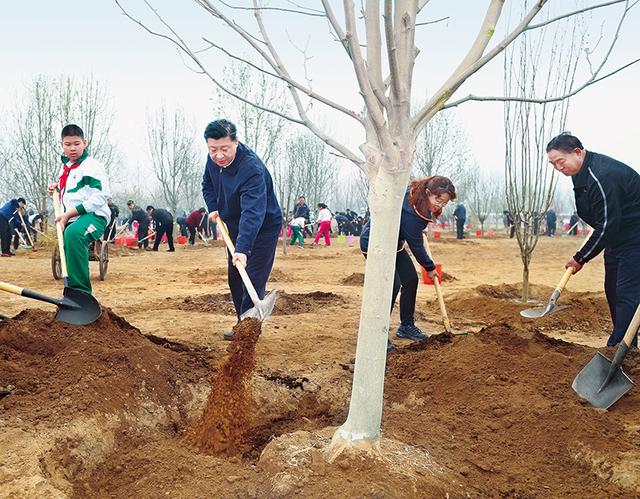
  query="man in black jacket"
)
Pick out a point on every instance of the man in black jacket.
point(607, 194)
point(139, 215)
point(164, 225)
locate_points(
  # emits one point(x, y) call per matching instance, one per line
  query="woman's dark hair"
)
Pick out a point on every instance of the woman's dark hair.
point(322, 206)
point(219, 129)
point(72, 131)
point(423, 187)
point(565, 142)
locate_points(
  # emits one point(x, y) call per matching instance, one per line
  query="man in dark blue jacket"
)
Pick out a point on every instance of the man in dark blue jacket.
point(460, 214)
point(7, 212)
point(607, 194)
point(237, 187)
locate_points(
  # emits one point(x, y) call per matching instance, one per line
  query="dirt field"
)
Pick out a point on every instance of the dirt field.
point(110, 410)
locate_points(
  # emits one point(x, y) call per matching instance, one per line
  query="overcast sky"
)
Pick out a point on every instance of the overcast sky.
point(141, 71)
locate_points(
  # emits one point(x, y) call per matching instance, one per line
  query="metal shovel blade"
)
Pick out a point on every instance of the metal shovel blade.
point(536, 313)
point(262, 309)
point(588, 384)
point(78, 307)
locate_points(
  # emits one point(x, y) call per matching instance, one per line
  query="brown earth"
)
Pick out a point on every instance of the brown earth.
point(107, 411)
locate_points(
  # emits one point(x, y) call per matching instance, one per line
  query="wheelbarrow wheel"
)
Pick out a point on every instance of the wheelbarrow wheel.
point(56, 266)
point(104, 260)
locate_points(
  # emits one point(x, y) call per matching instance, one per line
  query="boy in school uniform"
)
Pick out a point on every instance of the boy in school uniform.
point(84, 190)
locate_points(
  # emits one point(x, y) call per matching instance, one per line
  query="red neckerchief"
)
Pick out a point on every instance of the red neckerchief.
point(65, 174)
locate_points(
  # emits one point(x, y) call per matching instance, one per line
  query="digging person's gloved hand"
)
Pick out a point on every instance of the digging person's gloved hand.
point(575, 265)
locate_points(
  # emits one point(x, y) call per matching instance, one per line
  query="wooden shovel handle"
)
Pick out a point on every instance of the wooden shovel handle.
point(569, 272)
point(57, 211)
point(25, 229)
point(633, 328)
point(436, 283)
point(565, 279)
point(10, 288)
point(243, 272)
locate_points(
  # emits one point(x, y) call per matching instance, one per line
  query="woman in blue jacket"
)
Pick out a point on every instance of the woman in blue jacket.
point(423, 203)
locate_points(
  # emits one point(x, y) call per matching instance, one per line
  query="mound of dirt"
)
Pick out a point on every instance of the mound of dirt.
point(497, 408)
point(355, 279)
point(286, 303)
point(588, 312)
point(60, 369)
point(278, 275)
point(208, 276)
point(220, 303)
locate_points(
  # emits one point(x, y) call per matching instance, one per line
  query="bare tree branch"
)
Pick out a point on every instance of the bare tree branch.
point(310, 12)
point(286, 79)
point(178, 42)
point(576, 12)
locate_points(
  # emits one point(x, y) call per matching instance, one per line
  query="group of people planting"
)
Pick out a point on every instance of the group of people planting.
point(238, 192)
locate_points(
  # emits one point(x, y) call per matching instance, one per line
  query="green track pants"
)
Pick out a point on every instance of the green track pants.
point(77, 236)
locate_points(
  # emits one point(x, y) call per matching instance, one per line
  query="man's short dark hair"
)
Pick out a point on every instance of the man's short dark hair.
point(21, 200)
point(130, 203)
point(565, 142)
point(219, 129)
point(202, 210)
point(72, 131)
point(150, 208)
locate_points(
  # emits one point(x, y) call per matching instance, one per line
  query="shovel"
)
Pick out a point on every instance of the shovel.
point(552, 306)
point(27, 232)
point(602, 382)
point(77, 307)
point(443, 310)
point(262, 308)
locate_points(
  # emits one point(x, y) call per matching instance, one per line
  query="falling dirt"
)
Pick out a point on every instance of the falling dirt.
point(230, 408)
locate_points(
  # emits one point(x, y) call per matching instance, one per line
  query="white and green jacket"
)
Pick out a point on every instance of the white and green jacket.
point(87, 187)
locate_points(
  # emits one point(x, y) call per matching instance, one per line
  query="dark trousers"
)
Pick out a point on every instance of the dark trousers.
point(460, 229)
point(406, 279)
point(622, 286)
point(259, 265)
point(192, 234)
point(143, 232)
point(5, 234)
point(161, 230)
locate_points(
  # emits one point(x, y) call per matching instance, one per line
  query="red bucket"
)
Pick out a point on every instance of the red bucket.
point(479, 233)
point(436, 234)
point(182, 239)
point(426, 279)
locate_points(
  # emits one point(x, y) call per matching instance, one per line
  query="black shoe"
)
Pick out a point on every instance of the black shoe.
point(171, 250)
point(228, 335)
point(410, 331)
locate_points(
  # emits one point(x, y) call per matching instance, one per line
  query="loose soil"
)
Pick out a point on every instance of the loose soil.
point(111, 409)
point(286, 303)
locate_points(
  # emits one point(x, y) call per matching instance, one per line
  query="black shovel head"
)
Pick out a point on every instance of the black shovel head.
point(78, 307)
point(588, 383)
